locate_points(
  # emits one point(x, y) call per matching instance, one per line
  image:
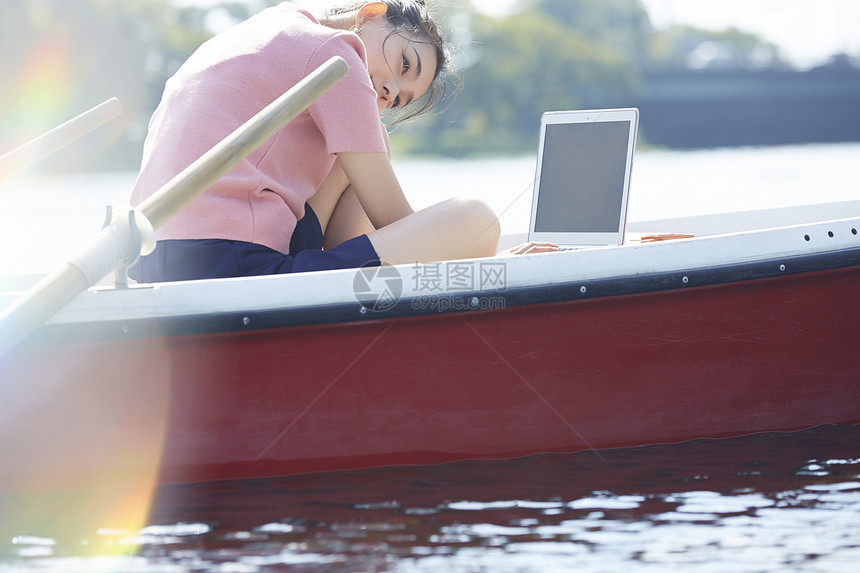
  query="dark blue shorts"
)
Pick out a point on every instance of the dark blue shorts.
point(193, 259)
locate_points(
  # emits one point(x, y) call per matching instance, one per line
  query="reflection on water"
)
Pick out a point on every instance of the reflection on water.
point(757, 503)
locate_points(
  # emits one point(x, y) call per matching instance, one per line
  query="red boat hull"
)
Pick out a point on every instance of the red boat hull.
point(667, 366)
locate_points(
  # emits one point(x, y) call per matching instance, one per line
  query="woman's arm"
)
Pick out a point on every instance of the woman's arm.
point(375, 184)
point(348, 220)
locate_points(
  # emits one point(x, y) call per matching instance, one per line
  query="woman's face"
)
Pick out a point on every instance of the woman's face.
point(401, 67)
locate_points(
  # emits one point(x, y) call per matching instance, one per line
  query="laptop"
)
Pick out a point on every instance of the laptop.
point(582, 179)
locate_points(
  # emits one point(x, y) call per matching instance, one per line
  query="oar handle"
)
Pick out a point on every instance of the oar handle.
point(48, 143)
point(111, 247)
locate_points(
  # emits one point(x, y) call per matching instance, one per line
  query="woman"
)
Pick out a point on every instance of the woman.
point(326, 178)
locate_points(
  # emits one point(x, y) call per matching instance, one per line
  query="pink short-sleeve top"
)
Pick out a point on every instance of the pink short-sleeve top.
point(228, 80)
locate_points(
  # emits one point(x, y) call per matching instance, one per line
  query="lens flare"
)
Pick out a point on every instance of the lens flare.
point(38, 97)
point(81, 433)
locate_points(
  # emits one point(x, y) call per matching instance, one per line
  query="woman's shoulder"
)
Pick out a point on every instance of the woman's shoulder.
point(298, 33)
point(289, 27)
point(280, 30)
point(276, 47)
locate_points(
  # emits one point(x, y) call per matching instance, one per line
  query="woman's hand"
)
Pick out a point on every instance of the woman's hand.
point(529, 248)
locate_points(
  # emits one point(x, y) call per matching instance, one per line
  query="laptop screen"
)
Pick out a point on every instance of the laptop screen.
point(582, 177)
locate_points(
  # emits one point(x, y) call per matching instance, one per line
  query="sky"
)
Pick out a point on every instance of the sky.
point(808, 32)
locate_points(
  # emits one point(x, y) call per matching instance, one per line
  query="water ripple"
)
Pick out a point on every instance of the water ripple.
point(769, 502)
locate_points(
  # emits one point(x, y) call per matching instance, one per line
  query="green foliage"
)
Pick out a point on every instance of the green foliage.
point(685, 46)
point(620, 26)
point(526, 64)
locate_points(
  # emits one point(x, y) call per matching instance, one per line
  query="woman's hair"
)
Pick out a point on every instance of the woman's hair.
point(411, 17)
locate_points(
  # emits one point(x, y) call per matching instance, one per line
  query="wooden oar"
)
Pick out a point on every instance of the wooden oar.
point(48, 143)
point(111, 247)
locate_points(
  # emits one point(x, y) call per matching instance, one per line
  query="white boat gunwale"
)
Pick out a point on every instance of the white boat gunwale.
point(235, 305)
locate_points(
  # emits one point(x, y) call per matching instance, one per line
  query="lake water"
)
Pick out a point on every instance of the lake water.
point(47, 217)
point(771, 502)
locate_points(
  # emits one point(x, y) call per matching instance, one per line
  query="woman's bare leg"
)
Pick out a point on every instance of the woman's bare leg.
point(453, 229)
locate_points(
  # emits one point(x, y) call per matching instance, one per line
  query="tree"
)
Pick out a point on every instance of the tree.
point(621, 26)
point(684, 47)
point(526, 64)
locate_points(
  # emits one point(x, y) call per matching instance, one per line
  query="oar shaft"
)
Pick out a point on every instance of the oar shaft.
point(108, 249)
point(27, 313)
point(48, 143)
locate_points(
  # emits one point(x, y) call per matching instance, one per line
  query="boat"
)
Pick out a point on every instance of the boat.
point(709, 327)
point(733, 324)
